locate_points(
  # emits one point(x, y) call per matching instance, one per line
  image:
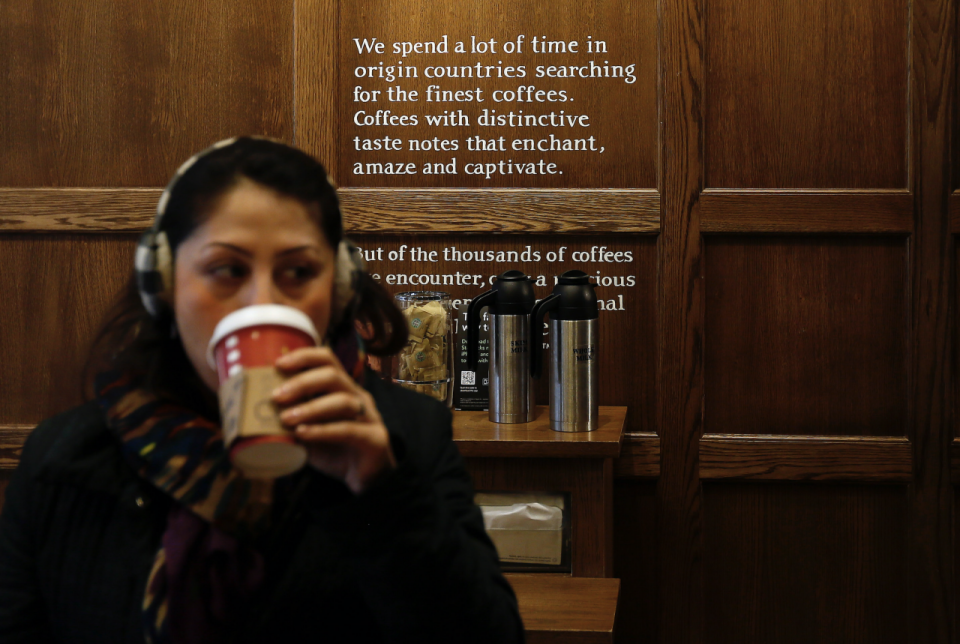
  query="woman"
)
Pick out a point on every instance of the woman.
point(125, 520)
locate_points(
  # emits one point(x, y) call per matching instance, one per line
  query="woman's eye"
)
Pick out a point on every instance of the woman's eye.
point(228, 271)
point(298, 273)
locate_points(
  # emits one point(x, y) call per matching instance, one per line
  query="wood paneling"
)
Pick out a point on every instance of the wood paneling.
point(627, 338)
point(805, 336)
point(806, 94)
point(502, 211)
point(78, 210)
point(799, 564)
point(105, 93)
point(680, 319)
point(625, 126)
point(54, 290)
point(806, 458)
point(635, 559)
point(783, 211)
point(585, 479)
point(932, 600)
point(566, 610)
point(954, 206)
point(316, 59)
point(12, 438)
point(639, 456)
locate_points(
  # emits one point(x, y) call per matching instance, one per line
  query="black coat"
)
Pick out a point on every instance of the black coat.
point(406, 561)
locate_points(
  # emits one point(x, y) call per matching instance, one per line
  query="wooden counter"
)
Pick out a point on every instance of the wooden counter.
point(566, 610)
point(475, 435)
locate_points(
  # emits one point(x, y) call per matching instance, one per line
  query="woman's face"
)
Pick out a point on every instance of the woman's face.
point(255, 246)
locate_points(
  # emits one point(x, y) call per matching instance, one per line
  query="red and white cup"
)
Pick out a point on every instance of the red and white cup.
point(243, 349)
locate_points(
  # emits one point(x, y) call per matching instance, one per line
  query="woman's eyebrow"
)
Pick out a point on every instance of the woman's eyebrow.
point(237, 249)
point(297, 249)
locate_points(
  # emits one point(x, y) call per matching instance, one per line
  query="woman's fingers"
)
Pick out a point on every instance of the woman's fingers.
point(362, 435)
point(340, 405)
point(304, 357)
point(319, 373)
point(334, 417)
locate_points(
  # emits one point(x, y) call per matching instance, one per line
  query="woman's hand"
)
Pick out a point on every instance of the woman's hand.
point(334, 417)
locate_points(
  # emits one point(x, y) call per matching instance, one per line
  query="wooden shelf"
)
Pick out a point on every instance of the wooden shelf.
point(476, 436)
point(560, 609)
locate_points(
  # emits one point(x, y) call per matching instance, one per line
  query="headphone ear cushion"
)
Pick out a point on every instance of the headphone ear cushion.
point(154, 267)
point(349, 267)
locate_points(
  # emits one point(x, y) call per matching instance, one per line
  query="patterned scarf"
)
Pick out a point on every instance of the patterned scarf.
point(205, 571)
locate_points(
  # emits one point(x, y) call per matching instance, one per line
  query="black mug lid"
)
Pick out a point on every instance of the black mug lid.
point(578, 299)
point(515, 294)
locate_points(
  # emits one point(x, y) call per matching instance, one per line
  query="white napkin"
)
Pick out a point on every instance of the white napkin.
point(522, 516)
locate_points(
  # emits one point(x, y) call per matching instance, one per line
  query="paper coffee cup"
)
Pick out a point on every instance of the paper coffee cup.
point(243, 349)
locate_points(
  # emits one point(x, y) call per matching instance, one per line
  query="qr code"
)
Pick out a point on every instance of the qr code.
point(468, 378)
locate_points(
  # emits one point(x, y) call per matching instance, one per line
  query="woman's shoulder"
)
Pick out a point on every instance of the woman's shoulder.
point(75, 447)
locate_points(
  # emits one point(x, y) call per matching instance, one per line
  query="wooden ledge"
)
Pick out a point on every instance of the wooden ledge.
point(12, 438)
point(866, 459)
point(476, 436)
point(560, 609)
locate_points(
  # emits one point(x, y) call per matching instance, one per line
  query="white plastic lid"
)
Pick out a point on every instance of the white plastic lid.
point(260, 314)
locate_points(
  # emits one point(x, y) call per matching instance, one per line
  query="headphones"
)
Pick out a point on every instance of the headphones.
point(154, 258)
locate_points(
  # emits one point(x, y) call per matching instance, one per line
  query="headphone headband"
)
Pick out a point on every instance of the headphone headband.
point(154, 257)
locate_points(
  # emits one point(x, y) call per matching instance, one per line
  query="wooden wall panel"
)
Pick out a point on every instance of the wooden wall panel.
point(800, 564)
point(627, 337)
point(105, 93)
point(635, 560)
point(591, 512)
point(54, 290)
point(622, 116)
point(805, 336)
point(806, 94)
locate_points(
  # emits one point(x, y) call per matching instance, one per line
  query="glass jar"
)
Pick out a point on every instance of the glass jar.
point(425, 364)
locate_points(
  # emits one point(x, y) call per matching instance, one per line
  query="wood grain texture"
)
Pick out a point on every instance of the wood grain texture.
point(92, 210)
point(316, 26)
point(933, 600)
point(806, 458)
point(475, 436)
point(589, 481)
point(806, 95)
point(12, 438)
point(636, 555)
point(566, 610)
point(628, 337)
point(680, 323)
point(55, 289)
point(639, 456)
point(4, 481)
point(784, 211)
point(77, 210)
point(794, 564)
point(955, 461)
point(955, 211)
point(622, 115)
point(107, 93)
point(805, 335)
point(501, 211)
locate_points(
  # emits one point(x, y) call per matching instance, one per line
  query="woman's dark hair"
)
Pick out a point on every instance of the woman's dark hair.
point(131, 340)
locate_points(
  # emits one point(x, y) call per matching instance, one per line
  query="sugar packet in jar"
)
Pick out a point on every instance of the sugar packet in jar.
point(425, 363)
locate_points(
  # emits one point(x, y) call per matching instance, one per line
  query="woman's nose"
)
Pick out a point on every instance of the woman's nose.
point(263, 290)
